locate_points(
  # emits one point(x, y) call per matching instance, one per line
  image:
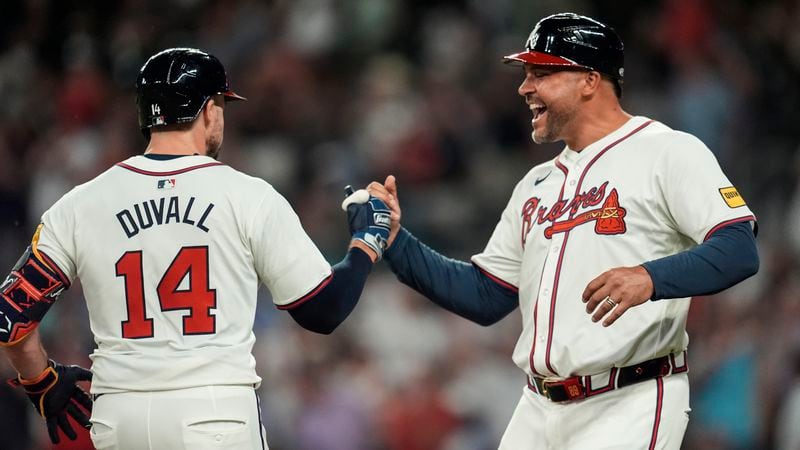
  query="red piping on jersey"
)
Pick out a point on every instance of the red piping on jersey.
point(308, 296)
point(657, 421)
point(728, 222)
point(497, 280)
point(49, 261)
point(165, 174)
point(536, 324)
point(566, 237)
point(564, 169)
point(553, 297)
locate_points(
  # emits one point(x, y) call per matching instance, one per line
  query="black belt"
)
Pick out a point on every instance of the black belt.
point(580, 387)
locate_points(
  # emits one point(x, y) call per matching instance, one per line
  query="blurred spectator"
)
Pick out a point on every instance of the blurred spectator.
point(787, 435)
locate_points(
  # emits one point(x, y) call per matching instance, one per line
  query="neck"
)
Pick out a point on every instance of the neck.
point(594, 124)
point(176, 143)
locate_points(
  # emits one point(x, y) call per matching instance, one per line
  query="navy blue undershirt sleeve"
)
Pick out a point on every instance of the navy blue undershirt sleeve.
point(328, 308)
point(724, 259)
point(456, 286)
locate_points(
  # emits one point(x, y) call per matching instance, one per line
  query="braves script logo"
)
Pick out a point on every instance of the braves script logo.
point(608, 218)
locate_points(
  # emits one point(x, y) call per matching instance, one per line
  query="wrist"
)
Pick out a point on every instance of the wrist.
point(400, 241)
point(33, 373)
point(648, 269)
point(355, 243)
point(28, 356)
point(31, 382)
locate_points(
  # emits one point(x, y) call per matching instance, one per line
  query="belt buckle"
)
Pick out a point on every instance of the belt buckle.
point(546, 381)
point(543, 385)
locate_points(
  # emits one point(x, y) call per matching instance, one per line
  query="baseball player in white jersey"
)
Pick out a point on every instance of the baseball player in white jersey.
point(170, 248)
point(601, 248)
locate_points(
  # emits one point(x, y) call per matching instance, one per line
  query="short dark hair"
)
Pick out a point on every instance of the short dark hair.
point(617, 85)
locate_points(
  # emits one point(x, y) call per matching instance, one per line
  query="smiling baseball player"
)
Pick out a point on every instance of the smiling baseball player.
point(171, 247)
point(601, 249)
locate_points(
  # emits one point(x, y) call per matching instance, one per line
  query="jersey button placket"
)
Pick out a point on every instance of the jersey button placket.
point(545, 303)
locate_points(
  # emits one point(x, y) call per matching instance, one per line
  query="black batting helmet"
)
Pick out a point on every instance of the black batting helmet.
point(175, 84)
point(572, 40)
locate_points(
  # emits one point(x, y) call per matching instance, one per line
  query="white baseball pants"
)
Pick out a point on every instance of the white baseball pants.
point(649, 415)
point(208, 417)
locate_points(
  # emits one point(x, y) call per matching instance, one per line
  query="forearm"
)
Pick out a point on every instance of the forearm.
point(726, 258)
point(28, 356)
point(329, 307)
point(456, 286)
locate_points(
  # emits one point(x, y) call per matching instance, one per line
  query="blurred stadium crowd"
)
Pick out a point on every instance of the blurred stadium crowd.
point(347, 91)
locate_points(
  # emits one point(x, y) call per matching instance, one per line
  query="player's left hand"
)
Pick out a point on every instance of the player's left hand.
point(55, 395)
point(615, 291)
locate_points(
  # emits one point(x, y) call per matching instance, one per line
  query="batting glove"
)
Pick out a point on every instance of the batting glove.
point(369, 219)
point(55, 394)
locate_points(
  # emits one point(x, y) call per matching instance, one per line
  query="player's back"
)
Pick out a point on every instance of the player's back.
point(164, 252)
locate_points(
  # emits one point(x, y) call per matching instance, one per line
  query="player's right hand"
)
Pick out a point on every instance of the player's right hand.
point(388, 193)
point(55, 394)
point(368, 218)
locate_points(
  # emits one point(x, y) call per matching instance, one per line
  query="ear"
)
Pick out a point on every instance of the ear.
point(209, 111)
point(592, 81)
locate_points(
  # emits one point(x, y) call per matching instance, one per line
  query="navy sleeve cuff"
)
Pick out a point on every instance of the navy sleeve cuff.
point(398, 245)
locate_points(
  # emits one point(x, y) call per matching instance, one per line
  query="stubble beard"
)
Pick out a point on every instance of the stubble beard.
point(212, 147)
point(553, 129)
point(214, 143)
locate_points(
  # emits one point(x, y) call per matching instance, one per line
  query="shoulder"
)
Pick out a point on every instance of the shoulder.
point(661, 137)
point(254, 196)
point(254, 186)
point(676, 153)
point(86, 189)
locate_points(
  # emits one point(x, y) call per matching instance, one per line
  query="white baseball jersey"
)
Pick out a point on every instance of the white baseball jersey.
point(643, 192)
point(170, 255)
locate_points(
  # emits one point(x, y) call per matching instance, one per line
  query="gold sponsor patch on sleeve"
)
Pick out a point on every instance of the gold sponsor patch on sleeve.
point(732, 197)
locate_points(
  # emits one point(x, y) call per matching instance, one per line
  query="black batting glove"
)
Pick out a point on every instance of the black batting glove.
point(56, 394)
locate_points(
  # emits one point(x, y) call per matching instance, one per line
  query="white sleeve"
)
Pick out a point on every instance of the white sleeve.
point(699, 196)
point(502, 256)
point(54, 241)
point(286, 259)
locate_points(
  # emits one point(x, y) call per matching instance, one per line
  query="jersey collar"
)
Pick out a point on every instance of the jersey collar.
point(570, 157)
point(157, 167)
point(160, 157)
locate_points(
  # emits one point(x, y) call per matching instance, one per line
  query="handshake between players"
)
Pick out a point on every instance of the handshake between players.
point(608, 295)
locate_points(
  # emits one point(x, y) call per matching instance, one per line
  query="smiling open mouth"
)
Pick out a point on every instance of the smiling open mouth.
point(538, 111)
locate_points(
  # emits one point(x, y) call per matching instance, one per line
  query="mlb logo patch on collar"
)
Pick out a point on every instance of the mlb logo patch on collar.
point(167, 183)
